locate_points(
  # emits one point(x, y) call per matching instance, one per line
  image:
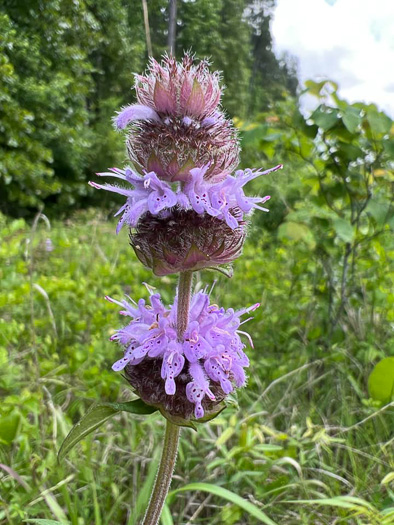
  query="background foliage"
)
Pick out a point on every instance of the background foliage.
point(311, 438)
point(66, 67)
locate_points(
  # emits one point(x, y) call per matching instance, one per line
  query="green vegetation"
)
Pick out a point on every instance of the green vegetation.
point(310, 440)
point(307, 442)
point(66, 67)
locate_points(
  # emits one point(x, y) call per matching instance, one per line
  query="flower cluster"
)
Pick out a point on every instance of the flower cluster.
point(222, 200)
point(210, 350)
point(179, 88)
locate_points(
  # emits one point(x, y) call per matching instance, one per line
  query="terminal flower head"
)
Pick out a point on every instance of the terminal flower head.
point(177, 123)
point(178, 88)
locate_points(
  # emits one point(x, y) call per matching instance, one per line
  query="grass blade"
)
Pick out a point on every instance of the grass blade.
point(45, 522)
point(247, 506)
point(166, 518)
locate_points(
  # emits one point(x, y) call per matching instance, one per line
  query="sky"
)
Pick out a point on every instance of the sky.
point(348, 41)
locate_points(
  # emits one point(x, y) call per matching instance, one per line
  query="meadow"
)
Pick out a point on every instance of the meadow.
point(304, 443)
point(310, 439)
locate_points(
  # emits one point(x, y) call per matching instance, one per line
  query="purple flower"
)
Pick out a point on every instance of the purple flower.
point(135, 112)
point(149, 194)
point(225, 200)
point(49, 245)
point(209, 356)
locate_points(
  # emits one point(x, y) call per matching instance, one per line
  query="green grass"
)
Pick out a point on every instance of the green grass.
point(306, 445)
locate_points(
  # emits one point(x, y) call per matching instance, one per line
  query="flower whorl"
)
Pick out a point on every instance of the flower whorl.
point(187, 376)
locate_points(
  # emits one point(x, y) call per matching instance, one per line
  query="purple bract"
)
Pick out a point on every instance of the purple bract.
point(211, 349)
point(174, 88)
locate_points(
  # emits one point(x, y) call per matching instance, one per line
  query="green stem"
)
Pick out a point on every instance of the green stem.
point(171, 439)
point(164, 475)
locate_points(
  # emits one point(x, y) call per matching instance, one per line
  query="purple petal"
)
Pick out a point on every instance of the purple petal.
point(157, 346)
point(159, 201)
point(119, 365)
point(135, 112)
point(187, 121)
point(231, 221)
point(109, 187)
point(196, 350)
point(170, 386)
point(239, 375)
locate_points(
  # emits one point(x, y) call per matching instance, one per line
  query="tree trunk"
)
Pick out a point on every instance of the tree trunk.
point(147, 29)
point(172, 27)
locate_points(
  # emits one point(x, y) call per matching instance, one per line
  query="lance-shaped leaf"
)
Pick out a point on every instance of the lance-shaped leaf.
point(96, 415)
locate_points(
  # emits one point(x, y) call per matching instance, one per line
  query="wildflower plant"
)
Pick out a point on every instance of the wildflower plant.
point(186, 210)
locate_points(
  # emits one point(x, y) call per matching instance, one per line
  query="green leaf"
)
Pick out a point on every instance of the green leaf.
point(225, 436)
point(380, 211)
point(344, 502)
point(343, 229)
point(191, 423)
point(96, 415)
point(351, 118)
point(134, 407)
point(379, 122)
point(317, 88)
point(9, 426)
point(211, 415)
point(381, 380)
point(388, 146)
point(296, 232)
point(233, 498)
point(253, 134)
point(166, 518)
point(177, 420)
point(388, 478)
point(325, 119)
point(349, 151)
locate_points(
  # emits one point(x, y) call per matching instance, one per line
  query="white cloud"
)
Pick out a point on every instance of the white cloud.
point(348, 41)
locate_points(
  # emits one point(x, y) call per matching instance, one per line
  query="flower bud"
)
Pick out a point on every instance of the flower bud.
point(177, 124)
point(185, 240)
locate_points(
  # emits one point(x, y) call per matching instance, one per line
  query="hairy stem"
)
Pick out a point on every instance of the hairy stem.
point(171, 439)
point(184, 295)
point(164, 475)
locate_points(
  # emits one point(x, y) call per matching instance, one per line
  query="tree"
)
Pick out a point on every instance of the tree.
point(271, 79)
point(65, 67)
